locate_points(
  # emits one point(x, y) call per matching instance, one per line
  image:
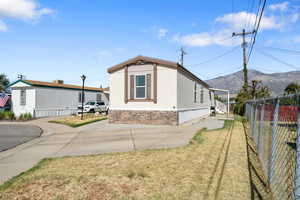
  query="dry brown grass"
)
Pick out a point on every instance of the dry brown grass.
point(175, 174)
point(75, 121)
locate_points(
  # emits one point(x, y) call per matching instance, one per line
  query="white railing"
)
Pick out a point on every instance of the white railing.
point(54, 112)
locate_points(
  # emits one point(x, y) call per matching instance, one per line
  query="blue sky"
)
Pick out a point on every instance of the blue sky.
point(62, 39)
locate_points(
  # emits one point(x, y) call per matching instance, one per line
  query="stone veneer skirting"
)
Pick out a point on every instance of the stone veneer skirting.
point(143, 117)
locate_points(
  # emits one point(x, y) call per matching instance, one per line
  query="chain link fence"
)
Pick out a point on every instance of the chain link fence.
point(273, 126)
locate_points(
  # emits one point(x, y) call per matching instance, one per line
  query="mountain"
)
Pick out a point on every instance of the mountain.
point(275, 81)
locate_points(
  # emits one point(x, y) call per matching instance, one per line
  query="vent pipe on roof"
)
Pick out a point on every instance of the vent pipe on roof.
point(58, 81)
point(21, 77)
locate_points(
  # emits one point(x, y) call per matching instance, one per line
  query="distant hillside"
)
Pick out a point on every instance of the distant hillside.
point(275, 81)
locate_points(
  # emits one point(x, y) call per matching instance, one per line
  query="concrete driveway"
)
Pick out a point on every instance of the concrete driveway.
point(101, 137)
point(13, 135)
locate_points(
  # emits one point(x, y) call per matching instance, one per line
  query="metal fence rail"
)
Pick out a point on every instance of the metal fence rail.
point(274, 127)
point(54, 112)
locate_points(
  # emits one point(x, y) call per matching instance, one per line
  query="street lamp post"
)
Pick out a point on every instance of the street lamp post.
point(83, 77)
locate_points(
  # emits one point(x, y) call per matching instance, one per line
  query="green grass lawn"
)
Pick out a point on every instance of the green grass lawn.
point(75, 121)
point(175, 174)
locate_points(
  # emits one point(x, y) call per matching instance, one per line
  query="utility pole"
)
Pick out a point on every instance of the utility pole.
point(182, 53)
point(244, 46)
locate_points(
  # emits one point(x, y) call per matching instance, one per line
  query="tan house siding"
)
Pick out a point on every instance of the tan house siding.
point(169, 94)
point(166, 88)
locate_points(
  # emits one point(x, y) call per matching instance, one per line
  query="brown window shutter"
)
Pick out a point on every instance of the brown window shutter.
point(148, 86)
point(155, 83)
point(131, 87)
point(126, 85)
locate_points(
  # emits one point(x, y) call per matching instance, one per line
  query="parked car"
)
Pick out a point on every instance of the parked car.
point(93, 106)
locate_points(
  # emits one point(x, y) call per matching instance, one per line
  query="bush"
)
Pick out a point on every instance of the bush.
point(25, 116)
point(7, 115)
point(1, 115)
point(239, 108)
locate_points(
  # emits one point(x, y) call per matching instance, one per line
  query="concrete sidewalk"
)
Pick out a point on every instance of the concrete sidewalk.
point(97, 138)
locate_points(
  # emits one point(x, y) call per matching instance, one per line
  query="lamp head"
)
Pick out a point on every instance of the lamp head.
point(83, 77)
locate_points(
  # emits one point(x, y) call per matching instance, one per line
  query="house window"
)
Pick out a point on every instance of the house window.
point(140, 86)
point(99, 97)
point(195, 93)
point(23, 97)
point(201, 95)
point(80, 97)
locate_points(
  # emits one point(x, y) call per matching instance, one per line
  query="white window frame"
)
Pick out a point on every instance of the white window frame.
point(23, 97)
point(135, 86)
point(98, 97)
point(195, 92)
point(202, 95)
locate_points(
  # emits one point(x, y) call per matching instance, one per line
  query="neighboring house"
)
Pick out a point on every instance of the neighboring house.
point(154, 91)
point(44, 99)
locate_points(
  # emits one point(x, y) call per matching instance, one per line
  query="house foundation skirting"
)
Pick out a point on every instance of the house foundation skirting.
point(143, 117)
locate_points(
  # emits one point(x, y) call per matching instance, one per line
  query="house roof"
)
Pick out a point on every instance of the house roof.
point(161, 62)
point(58, 85)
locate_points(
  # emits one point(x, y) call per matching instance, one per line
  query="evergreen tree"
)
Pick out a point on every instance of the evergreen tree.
point(4, 82)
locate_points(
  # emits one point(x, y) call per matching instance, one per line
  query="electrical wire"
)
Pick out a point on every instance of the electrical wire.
point(251, 11)
point(257, 28)
point(217, 57)
point(255, 22)
point(231, 72)
point(247, 16)
point(282, 49)
point(278, 60)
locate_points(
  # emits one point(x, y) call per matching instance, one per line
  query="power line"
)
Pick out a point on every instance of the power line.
point(263, 69)
point(216, 57)
point(256, 27)
point(247, 16)
point(278, 60)
point(227, 72)
point(256, 30)
point(251, 10)
point(283, 50)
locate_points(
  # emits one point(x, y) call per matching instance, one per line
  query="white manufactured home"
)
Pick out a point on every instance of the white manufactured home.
point(44, 99)
point(154, 91)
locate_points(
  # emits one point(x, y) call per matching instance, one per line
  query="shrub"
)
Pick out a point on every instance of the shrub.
point(8, 115)
point(1, 115)
point(28, 116)
point(25, 116)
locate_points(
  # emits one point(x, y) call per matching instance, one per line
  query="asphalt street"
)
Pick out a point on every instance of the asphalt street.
point(13, 135)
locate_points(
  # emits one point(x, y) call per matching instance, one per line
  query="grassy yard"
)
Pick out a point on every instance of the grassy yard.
point(175, 174)
point(75, 121)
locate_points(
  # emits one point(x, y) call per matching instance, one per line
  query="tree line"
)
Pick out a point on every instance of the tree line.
point(256, 90)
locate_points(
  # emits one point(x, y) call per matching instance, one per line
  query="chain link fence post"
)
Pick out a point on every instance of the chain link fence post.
point(260, 130)
point(274, 141)
point(254, 129)
point(297, 174)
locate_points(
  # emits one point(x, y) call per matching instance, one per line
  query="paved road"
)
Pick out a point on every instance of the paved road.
point(13, 135)
point(101, 137)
